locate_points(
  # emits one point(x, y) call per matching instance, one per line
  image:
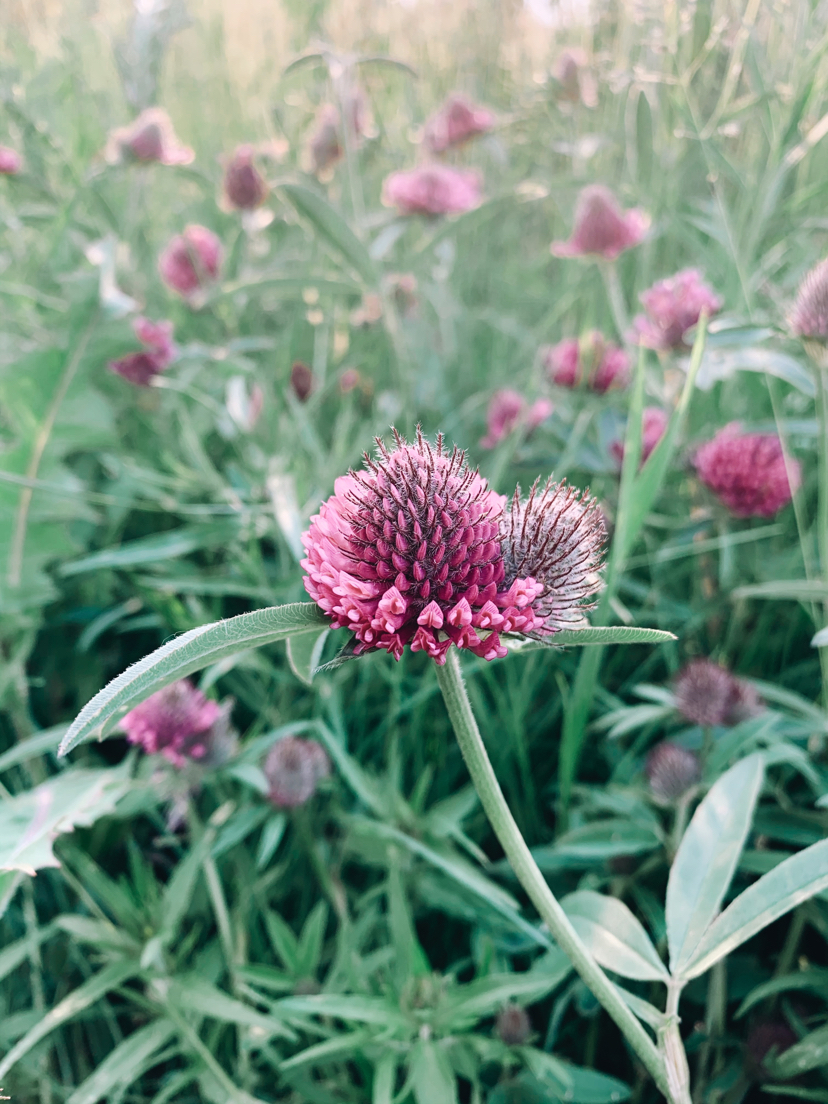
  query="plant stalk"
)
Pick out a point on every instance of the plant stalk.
point(675, 1058)
point(451, 684)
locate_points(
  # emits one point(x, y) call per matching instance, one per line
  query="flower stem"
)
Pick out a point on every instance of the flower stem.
point(822, 501)
point(451, 684)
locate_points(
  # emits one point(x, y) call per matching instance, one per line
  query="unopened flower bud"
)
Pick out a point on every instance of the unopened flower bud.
point(244, 186)
point(293, 768)
point(672, 771)
point(456, 122)
point(301, 380)
point(594, 361)
point(708, 694)
point(513, 1025)
point(602, 229)
point(143, 366)
point(324, 147)
point(149, 138)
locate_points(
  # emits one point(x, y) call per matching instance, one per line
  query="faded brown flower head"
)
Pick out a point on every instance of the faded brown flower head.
point(293, 768)
point(513, 1025)
point(671, 770)
point(708, 694)
point(301, 380)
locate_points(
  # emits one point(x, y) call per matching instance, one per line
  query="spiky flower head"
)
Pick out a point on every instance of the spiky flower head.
point(602, 228)
point(10, 161)
point(191, 260)
point(181, 724)
point(293, 768)
point(150, 137)
point(708, 694)
point(432, 190)
point(142, 366)
point(809, 317)
point(513, 1025)
point(456, 122)
point(593, 361)
point(672, 770)
point(244, 186)
point(507, 410)
point(748, 472)
point(672, 307)
point(654, 423)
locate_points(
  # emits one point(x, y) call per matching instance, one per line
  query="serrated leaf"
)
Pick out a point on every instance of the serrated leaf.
point(187, 653)
point(616, 938)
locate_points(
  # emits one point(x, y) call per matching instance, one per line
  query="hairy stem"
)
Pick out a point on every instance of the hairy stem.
point(675, 1059)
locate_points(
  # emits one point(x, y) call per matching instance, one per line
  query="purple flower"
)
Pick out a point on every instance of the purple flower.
point(748, 472)
point(671, 770)
point(809, 317)
point(708, 694)
point(244, 186)
point(602, 229)
point(672, 306)
point(301, 380)
point(456, 122)
point(191, 260)
point(150, 137)
point(10, 161)
point(324, 147)
point(595, 361)
point(293, 768)
point(654, 422)
point(181, 724)
point(507, 410)
point(142, 366)
point(432, 190)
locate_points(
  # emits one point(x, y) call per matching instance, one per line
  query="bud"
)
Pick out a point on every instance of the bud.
point(181, 724)
point(349, 380)
point(809, 317)
point(149, 138)
point(574, 80)
point(654, 422)
point(301, 380)
point(293, 769)
point(10, 161)
point(594, 361)
point(432, 190)
point(244, 186)
point(142, 366)
point(324, 147)
point(507, 410)
point(748, 472)
point(513, 1025)
point(457, 121)
point(191, 260)
point(672, 771)
point(672, 307)
point(602, 229)
point(708, 694)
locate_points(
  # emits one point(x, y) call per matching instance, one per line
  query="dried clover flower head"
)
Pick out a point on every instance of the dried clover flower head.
point(456, 122)
point(672, 771)
point(809, 317)
point(748, 472)
point(293, 768)
point(708, 694)
point(672, 307)
point(301, 380)
point(513, 1025)
point(244, 186)
point(181, 724)
point(191, 260)
point(602, 228)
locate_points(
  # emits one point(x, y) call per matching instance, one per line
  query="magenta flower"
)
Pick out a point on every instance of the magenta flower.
point(507, 410)
point(10, 161)
point(432, 190)
point(142, 366)
point(324, 147)
point(602, 229)
point(456, 122)
point(671, 770)
point(415, 551)
point(191, 260)
point(244, 186)
point(595, 361)
point(654, 422)
point(293, 768)
point(707, 694)
point(672, 307)
point(181, 724)
point(809, 317)
point(150, 137)
point(749, 472)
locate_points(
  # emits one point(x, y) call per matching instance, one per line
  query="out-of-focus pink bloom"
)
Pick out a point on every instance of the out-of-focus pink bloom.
point(672, 306)
point(507, 410)
point(324, 146)
point(809, 317)
point(708, 694)
point(180, 723)
point(574, 79)
point(432, 190)
point(294, 768)
point(594, 361)
point(654, 422)
point(749, 472)
point(403, 287)
point(602, 228)
point(369, 311)
point(671, 770)
point(301, 380)
point(456, 122)
point(244, 186)
point(142, 366)
point(349, 380)
point(10, 161)
point(191, 260)
point(150, 137)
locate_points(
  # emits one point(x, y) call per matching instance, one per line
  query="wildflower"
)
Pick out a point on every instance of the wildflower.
point(654, 422)
point(595, 361)
point(244, 186)
point(413, 551)
point(10, 161)
point(142, 366)
point(672, 771)
point(181, 724)
point(602, 229)
point(809, 317)
point(707, 694)
point(369, 311)
point(574, 80)
point(293, 769)
point(191, 260)
point(349, 380)
point(403, 288)
point(432, 190)
point(456, 122)
point(149, 138)
point(301, 380)
point(324, 147)
point(672, 306)
point(749, 472)
point(507, 410)
point(513, 1025)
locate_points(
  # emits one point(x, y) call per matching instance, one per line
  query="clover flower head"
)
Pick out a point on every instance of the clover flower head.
point(432, 190)
point(293, 768)
point(507, 410)
point(324, 147)
point(708, 694)
point(602, 228)
point(150, 137)
point(142, 366)
point(671, 770)
point(654, 422)
point(181, 724)
point(10, 161)
point(594, 361)
point(244, 186)
point(191, 260)
point(809, 317)
point(301, 380)
point(574, 79)
point(456, 122)
point(748, 472)
point(512, 1025)
point(672, 307)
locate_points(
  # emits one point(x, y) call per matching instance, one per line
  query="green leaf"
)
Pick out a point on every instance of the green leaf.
point(813, 978)
point(777, 892)
point(616, 938)
point(195, 994)
point(571, 1083)
point(807, 1054)
point(385, 1076)
point(304, 653)
point(32, 748)
point(797, 590)
point(181, 656)
point(359, 1009)
point(461, 1009)
point(338, 1047)
point(432, 1077)
point(151, 550)
point(332, 228)
point(125, 1063)
point(708, 856)
point(613, 634)
point(597, 842)
point(309, 950)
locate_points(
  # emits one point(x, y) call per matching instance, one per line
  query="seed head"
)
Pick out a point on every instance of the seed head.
point(293, 768)
point(456, 122)
point(748, 472)
point(595, 362)
point(602, 229)
point(671, 770)
point(10, 165)
point(143, 366)
point(809, 317)
point(708, 694)
point(672, 307)
point(150, 137)
point(507, 410)
point(191, 260)
point(513, 1025)
point(181, 724)
point(244, 186)
point(432, 190)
